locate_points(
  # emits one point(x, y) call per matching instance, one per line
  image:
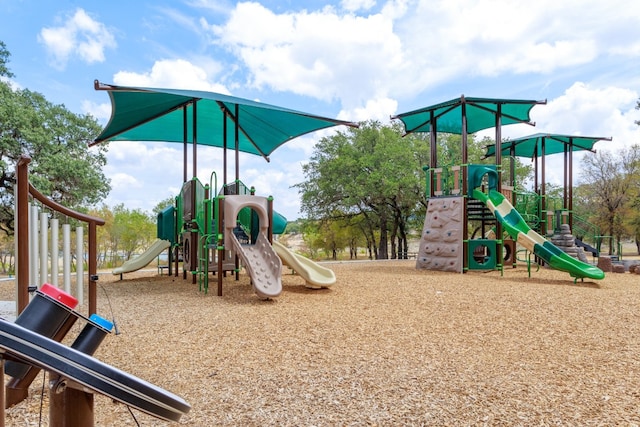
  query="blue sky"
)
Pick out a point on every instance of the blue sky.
point(350, 59)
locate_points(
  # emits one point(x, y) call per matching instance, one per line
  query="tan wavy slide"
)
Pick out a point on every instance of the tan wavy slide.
point(315, 275)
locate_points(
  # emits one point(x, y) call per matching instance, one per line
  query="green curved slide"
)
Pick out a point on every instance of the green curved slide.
point(518, 229)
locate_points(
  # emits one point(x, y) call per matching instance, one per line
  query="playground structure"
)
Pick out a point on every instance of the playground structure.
point(233, 229)
point(222, 233)
point(464, 194)
point(190, 231)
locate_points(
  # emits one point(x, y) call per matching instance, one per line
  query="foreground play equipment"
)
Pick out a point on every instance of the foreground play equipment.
point(36, 260)
point(33, 343)
point(461, 194)
point(199, 227)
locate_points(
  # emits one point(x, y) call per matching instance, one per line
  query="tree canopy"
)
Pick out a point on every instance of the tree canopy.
point(371, 174)
point(4, 61)
point(62, 166)
point(372, 179)
point(610, 190)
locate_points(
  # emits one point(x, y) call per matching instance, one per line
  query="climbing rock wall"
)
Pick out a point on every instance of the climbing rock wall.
point(441, 242)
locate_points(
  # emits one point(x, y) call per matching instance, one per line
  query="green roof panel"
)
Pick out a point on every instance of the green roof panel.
point(480, 113)
point(149, 114)
point(532, 146)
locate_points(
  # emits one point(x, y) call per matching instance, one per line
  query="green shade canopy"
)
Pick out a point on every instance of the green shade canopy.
point(532, 146)
point(480, 113)
point(148, 114)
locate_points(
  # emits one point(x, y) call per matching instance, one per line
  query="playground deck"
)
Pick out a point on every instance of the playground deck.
point(387, 345)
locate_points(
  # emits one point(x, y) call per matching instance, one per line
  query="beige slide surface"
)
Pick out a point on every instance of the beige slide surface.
point(262, 264)
point(143, 259)
point(313, 273)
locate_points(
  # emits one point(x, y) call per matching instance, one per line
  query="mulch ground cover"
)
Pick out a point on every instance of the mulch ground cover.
point(386, 345)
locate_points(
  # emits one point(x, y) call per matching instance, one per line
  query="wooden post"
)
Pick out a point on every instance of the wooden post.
point(2, 412)
point(69, 406)
point(22, 232)
point(438, 181)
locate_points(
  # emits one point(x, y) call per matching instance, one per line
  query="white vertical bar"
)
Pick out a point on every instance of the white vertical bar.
point(80, 264)
point(33, 247)
point(66, 257)
point(16, 224)
point(55, 230)
point(44, 247)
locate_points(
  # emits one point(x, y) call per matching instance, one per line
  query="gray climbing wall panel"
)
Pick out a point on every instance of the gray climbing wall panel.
point(441, 242)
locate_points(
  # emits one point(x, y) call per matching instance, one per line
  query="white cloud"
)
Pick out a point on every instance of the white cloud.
point(319, 54)
point(583, 110)
point(413, 47)
point(355, 5)
point(81, 36)
point(143, 174)
point(379, 55)
point(102, 112)
point(276, 180)
point(14, 85)
point(631, 50)
point(375, 109)
point(121, 181)
point(488, 38)
point(592, 111)
point(176, 74)
point(215, 6)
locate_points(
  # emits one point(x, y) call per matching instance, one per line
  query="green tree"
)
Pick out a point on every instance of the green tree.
point(62, 166)
point(294, 227)
point(4, 61)
point(162, 205)
point(372, 173)
point(107, 245)
point(7, 254)
point(610, 184)
point(311, 236)
point(133, 230)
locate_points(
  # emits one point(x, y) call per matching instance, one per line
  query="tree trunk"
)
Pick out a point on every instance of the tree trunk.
point(611, 219)
point(403, 244)
point(394, 246)
point(353, 249)
point(383, 251)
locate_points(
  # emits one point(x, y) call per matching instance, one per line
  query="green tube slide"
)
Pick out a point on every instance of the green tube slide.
point(518, 229)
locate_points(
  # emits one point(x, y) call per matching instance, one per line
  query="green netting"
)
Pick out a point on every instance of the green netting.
point(147, 114)
point(480, 113)
point(541, 144)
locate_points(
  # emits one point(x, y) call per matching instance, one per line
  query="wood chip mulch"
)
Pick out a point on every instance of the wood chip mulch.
point(387, 345)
